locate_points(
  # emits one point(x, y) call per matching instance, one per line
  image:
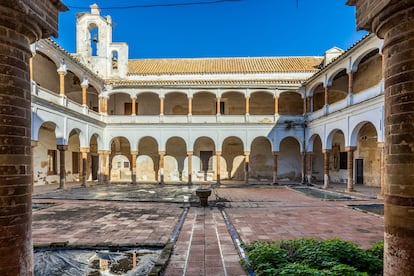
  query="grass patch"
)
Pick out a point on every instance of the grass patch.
point(312, 257)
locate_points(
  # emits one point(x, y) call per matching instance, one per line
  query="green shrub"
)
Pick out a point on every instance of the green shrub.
point(313, 257)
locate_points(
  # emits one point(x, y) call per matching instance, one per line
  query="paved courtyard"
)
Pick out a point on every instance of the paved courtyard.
point(202, 241)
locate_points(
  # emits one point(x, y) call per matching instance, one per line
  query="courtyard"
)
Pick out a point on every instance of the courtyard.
point(194, 240)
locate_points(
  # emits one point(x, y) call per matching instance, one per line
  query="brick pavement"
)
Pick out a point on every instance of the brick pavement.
point(204, 245)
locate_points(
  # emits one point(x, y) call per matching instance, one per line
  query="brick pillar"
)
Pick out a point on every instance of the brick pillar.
point(325, 169)
point(190, 106)
point(218, 154)
point(162, 154)
point(218, 106)
point(62, 169)
point(247, 105)
point(134, 167)
point(84, 163)
point(326, 95)
point(350, 168)
point(394, 22)
point(275, 157)
point(190, 167)
point(161, 105)
point(134, 105)
point(382, 168)
point(103, 105)
point(21, 23)
point(276, 104)
point(309, 167)
point(84, 86)
point(246, 166)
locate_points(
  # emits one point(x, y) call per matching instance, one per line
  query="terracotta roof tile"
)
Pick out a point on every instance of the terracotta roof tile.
point(222, 65)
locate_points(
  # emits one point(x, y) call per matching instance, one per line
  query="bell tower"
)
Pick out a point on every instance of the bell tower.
point(94, 46)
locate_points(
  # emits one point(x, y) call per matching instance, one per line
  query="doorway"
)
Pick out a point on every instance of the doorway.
point(359, 171)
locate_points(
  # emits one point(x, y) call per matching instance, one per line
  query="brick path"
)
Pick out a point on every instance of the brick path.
point(204, 245)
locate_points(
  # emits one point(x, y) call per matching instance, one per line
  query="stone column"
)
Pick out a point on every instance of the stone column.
point(218, 106)
point(276, 104)
point(275, 159)
point(350, 168)
point(84, 86)
point(134, 167)
point(394, 22)
point(62, 169)
point(309, 167)
point(21, 23)
point(162, 154)
point(246, 166)
point(326, 168)
point(326, 95)
point(190, 167)
point(133, 107)
point(218, 154)
point(247, 105)
point(103, 167)
point(84, 163)
point(161, 105)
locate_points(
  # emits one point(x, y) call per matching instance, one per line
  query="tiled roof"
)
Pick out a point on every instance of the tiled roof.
point(151, 83)
point(222, 65)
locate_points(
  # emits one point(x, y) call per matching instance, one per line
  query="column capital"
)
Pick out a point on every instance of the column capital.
point(134, 152)
point(275, 152)
point(350, 148)
point(104, 152)
point(84, 150)
point(62, 147)
point(218, 152)
point(381, 144)
point(326, 150)
point(247, 153)
point(189, 152)
point(161, 152)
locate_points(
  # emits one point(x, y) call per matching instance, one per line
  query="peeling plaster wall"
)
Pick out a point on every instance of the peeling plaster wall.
point(47, 141)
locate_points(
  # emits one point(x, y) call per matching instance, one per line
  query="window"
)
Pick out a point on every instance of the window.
point(114, 60)
point(52, 164)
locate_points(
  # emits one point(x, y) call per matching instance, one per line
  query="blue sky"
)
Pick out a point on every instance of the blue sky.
point(230, 29)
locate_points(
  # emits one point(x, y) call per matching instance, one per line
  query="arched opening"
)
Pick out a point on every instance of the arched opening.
point(93, 39)
point(114, 59)
point(318, 98)
point(261, 103)
point(290, 103)
point(233, 103)
point(45, 155)
point(290, 163)
point(204, 149)
point(119, 104)
point(261, 160)
point(92, 98)
point(73, 88)
point(317, 160)
point(176, 103)
point(204, 103)
point(93, 159)
point(338, 158)
point(234, 156)
point(73, 157)
point(45, 73)
point(176, 151)
point(339, 88)
point(148, 160)
point(120, 159)
point(369, 71)
point(148, 104)
point(367, 157)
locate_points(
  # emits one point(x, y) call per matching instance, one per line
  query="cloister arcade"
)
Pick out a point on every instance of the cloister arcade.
point(329, 128)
